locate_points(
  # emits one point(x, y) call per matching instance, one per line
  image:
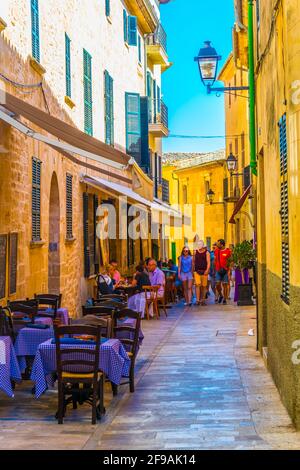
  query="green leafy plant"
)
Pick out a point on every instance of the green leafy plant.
point(242, 257)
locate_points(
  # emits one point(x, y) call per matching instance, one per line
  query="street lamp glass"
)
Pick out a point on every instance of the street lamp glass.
point(208, 64)
point(210, 196)
point(231, 163)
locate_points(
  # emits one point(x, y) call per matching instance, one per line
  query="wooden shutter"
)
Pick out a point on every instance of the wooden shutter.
point(125, 25)
point(133, 125)
point(140, 49)
point(109, 108)
point(284, 210)
point(132, 30)
point(154, 101)
point(246, 177)
point(36, 199)
point(86, 247)
point(87, 84)
point(145, 158)
point(96, 241)
point(35, 29)
point(69, 206)
point(149, 94)
point(68, 65)
point(107, 7)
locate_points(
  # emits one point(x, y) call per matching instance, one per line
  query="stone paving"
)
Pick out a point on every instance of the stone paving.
point(200, 385)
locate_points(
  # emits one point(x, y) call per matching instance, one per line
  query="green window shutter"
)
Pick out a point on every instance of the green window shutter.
point(36, 199)
point(140, 49)
point(149, 94)
point(35, 29)
point(69, 206)
point(132, 30)
point(145, 157)
point(68, 65)
point(154, 101)
point(133, 125)
point(107, 7)
point(87, 84)
point(284, 210)
point(125, 25)
point(109, 108)
point(86, 247)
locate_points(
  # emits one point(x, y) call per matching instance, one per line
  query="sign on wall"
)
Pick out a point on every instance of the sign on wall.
point(13, 262)
point(3, 254)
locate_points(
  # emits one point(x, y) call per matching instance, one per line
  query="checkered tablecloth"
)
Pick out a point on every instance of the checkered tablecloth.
point(9, 368)
point(114, 362)
point(62, 314)
point(28, 341)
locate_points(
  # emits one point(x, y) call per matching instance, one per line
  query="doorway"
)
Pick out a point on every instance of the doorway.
point(54, 234)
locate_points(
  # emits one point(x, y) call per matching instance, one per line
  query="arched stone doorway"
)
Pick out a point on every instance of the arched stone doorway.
point(54, 232)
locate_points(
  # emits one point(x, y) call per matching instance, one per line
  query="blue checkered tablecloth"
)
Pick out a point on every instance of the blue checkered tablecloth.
point(114, 362)
point(28, 341)
point(9, 368)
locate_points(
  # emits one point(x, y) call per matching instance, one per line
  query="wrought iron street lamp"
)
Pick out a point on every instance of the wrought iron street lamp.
point(211, 197)
point(231, 164)
point(208, 61)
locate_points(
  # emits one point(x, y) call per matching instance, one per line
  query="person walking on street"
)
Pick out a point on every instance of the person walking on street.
point(222, 255)
point(201, 270)
point(212, 273)
point(185, 273)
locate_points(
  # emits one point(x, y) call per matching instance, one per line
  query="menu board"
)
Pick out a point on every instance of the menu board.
point(13, 262)
point(3, 253)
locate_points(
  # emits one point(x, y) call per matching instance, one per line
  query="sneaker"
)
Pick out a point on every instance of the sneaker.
point(185, 304)
point(190, 304)
point(216, 300)
point(220, 299)
point(224, 302)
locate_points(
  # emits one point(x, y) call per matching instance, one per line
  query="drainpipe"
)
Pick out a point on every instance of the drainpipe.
point(252, 130)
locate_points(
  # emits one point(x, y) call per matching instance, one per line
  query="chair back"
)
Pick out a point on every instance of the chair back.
point(116, 297)
point(48, 300)
point(127, 334)
point(57, 297)
point(6, 323)
point(74, 358)
point(105, 322)
point(116, 305)
point(19, 308)
point(151, 293)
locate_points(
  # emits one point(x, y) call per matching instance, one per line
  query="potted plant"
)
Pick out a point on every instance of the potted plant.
point(242, 258)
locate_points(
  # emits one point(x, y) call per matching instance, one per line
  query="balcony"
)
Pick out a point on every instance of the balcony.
point(156, 48)
point(146, 14)
point(158, 118)
point(230, 193)
point(165, 191)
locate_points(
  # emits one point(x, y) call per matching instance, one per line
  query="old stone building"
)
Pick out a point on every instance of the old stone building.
point(75, 132)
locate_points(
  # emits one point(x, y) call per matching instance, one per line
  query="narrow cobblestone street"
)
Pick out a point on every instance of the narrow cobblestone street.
point(200, 385)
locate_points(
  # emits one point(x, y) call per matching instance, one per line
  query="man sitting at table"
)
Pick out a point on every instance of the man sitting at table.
point(157, 277)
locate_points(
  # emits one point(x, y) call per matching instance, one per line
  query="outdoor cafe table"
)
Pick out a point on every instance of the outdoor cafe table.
point(9, 368)
point(28, 341)
point(114, 362)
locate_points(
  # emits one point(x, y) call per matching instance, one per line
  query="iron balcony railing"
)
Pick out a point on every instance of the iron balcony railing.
point(158, 113)
point(158, 38)
point(165, 190)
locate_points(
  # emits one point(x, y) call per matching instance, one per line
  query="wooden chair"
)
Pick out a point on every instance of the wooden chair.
point(98, 310)
point(131, 342)
point(111, 303)
point(117, 297)
point(78, 375)
point(50, 297)
point(151, 299)
point(6, 324)
point(19, 308)
point(170, 289)
point(48, 301)
point(104, 321)
point(161, 303)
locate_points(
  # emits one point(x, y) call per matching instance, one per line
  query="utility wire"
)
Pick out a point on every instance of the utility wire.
point(179, 136)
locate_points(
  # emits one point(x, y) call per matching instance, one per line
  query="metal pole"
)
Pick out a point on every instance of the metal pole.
point(252, 129)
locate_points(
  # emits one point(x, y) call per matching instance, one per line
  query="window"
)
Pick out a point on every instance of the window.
point(68, 65)
point(184, 194)
point(109, 108)
point(35, 30)
point(284, 210)
point(140, 49)
point(69, 206)
point(236, 150)
point(243, 148)
point(130, 29)
point(133, 125)
point(36, 199)
point(87, 84)
point(91, 243)
point(107, 7)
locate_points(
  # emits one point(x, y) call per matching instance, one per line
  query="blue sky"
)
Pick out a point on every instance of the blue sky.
point(188, 24)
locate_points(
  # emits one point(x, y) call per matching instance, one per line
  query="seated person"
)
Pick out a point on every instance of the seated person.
point(137, 301)
point(105, 282)
point(157, 277)
point(141, 279)
point(115, 274)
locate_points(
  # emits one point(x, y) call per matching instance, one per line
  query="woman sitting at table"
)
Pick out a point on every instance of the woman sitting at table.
point(105, 281)
point(137, 301)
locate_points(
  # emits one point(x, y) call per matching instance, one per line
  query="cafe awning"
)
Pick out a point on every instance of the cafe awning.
point(240, 204)
point(115, 189)
point(69, 137)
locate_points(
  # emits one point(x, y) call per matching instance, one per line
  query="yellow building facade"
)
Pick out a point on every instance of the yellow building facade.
point(190, 177)
point(277, 52)
point(56, 86)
